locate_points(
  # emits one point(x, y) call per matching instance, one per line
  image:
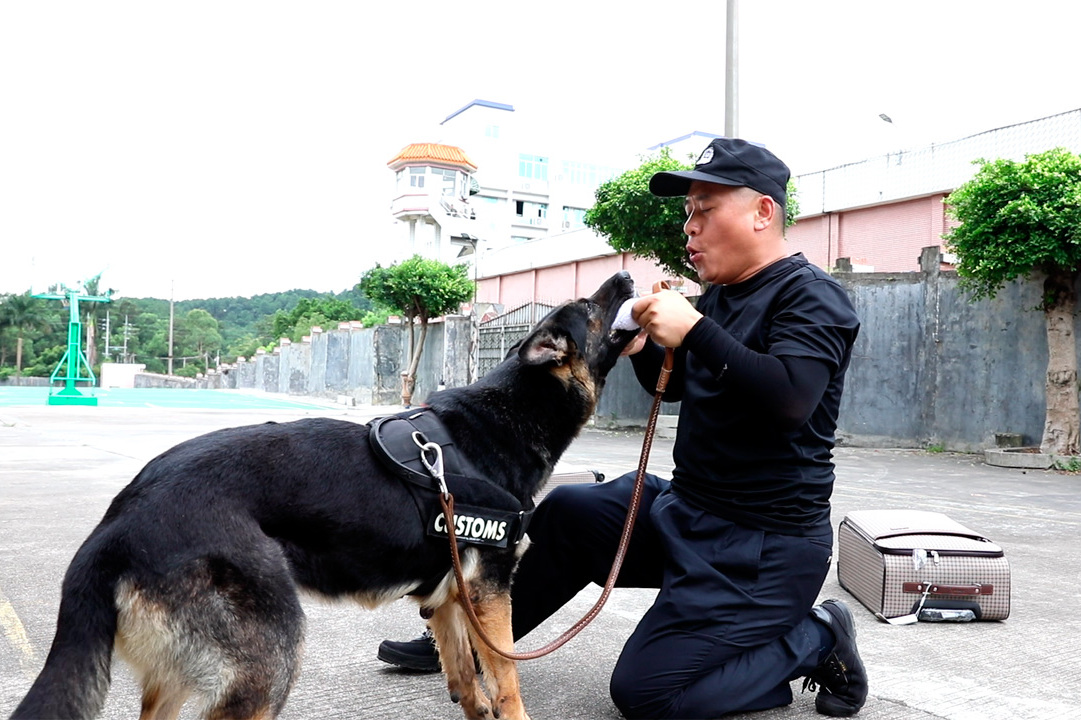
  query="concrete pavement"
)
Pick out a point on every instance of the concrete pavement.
point(60, 467)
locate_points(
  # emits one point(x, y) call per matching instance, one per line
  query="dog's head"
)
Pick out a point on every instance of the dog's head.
point(516, 421)
point(576, 341)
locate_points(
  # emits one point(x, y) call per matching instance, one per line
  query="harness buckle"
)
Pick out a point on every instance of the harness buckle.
point(435, 466)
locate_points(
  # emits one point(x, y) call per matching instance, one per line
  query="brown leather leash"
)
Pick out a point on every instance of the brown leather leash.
point(447, 501)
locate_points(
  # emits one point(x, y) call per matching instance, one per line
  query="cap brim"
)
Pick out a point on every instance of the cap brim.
point(678, 182)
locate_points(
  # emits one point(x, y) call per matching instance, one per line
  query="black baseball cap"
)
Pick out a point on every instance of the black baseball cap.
point(728, 161)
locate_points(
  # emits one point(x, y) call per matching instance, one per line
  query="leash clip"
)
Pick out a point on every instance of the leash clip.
point(435, 467)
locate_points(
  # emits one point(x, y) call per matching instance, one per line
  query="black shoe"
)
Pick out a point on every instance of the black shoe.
point(419, 654)
point(841, 677)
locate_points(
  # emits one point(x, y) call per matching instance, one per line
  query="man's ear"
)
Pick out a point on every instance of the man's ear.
point(544, 347)
point(767, 212)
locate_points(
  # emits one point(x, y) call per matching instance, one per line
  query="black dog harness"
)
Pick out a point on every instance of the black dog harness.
point(485, 514)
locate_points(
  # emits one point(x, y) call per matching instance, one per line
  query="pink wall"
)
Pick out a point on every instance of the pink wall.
point(811, 237)
point(887, 237)
point(557, 283)
point(513, 290)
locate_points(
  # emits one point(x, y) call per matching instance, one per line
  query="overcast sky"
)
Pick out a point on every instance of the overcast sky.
point(231, 148)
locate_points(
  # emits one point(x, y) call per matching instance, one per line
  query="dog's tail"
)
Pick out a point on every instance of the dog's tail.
point(76, 677)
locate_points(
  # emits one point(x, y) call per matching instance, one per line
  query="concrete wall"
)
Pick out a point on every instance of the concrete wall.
point(363, 365)
point(153, 380)
point(120, 375)
point(929, 367)
point(24, 381)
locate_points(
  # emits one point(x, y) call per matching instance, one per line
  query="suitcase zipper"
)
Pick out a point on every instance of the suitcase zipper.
point(908, 551)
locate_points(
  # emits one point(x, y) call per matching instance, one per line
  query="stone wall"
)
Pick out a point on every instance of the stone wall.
point(929, 367)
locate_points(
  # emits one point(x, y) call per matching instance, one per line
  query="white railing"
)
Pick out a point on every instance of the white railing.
point(928, 170)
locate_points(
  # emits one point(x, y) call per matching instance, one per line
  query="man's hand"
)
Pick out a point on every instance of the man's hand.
point(667, 316)
point(636, 345)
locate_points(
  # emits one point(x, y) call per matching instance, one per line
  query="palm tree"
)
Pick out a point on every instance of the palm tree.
point(22, 312)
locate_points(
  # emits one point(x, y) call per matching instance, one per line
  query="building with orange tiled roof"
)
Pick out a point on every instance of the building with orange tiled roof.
point(433, 183)
point(519, 187)
point(426, 153)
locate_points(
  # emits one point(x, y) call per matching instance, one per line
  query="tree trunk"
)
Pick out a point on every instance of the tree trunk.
point(19, 356)
point(1060, 433)
point(412, 339)
point(414, 361)
point(409, 377)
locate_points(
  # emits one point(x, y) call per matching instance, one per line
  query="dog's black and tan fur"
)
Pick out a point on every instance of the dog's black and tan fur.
point(193, 574)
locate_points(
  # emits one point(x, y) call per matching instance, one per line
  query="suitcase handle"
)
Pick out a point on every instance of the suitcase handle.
point(937, 589)
point(929, 531)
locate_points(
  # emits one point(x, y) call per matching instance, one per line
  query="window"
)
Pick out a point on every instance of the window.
point(573, 217)
point(532, 167)
point(416, 177)
point(587, 174)
point(531, 213)
point(449, 178)
point(491, 131)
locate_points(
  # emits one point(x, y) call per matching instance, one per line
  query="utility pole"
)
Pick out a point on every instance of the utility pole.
point(731, 69)
point(171, 293)
point(108, 354)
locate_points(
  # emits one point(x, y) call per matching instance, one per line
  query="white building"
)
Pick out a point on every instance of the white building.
point(432, 188)
point(510, 200)
point(490, 183)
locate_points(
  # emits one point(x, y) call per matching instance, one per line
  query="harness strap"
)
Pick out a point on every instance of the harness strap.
point(397, 441)
point(411, 444)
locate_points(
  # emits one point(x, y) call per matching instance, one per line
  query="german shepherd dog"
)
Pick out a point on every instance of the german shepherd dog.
point(193, 575)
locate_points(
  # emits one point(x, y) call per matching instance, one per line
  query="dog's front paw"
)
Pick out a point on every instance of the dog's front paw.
point(478, 710)
point(509, 708)
point(474, 701)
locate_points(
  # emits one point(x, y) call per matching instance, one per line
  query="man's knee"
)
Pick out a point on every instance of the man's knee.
point(632, 698)
point(578, 509)
point(563, 506)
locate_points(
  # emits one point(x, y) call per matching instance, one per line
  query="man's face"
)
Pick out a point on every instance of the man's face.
point(720, 230)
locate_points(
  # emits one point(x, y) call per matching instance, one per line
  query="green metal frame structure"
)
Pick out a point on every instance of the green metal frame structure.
point(74, 360)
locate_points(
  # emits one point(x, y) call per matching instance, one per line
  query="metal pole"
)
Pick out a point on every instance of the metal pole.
point(731, 69)
point(170, 328)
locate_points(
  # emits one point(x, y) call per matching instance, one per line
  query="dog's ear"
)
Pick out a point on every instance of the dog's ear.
point(544, 347)
point(557, 338)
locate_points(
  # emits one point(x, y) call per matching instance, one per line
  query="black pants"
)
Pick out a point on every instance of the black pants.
point(730, 626)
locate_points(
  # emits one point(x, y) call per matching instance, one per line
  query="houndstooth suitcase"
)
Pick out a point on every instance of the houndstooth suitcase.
point(890, 560)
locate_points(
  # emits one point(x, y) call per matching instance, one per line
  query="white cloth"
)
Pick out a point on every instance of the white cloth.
point(623, 320)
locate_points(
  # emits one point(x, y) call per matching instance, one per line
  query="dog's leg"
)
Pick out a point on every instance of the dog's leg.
point(493, 611)
point(159, 704)
point(449, 626)
point(229, 631)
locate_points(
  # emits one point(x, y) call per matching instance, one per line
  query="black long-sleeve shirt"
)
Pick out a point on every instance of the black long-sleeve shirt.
point(759, 378)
